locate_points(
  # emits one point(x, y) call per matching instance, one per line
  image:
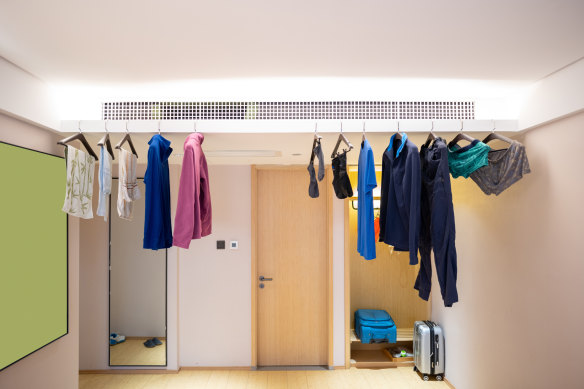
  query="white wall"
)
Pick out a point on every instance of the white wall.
point(209, 295)
point(520, 273)
point(215, 285)
point(25, 96)
point(56, 365)
point(555, 96)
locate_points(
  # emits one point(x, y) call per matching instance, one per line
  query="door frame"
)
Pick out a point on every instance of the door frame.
point(254, 259)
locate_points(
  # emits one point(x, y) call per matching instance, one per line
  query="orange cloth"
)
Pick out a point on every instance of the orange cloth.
point(376, 226)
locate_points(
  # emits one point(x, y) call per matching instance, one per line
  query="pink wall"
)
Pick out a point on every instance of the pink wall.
point(93, 292)
point(56, 365)
point(214, 292)
point(521, 271)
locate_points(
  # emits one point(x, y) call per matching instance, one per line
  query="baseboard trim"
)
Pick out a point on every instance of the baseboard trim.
point(129, 371)
point(216, 368)
point(340, 367)
point(143, 337)
point(449, 383)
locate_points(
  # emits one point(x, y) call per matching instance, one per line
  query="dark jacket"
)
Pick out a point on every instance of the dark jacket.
point(437, 230)
point(399, 218)
point(157, 227)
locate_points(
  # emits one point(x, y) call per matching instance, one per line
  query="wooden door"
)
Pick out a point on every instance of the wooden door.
point(292, 242)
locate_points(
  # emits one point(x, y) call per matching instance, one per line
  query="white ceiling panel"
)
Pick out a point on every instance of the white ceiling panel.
point(156, 41)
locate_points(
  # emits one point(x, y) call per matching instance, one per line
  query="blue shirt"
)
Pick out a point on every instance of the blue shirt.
point(401, 182)
point(157, 227)
point(366, 182)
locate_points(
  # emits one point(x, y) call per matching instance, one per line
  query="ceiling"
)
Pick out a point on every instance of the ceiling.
point(136, 41)
point(286, 144)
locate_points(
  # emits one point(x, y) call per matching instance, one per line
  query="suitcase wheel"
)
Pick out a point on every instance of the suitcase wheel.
point(438, 377)
point(415, 368)
point(426, 378)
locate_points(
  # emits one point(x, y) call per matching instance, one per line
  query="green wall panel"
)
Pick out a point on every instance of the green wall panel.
point(33, 252)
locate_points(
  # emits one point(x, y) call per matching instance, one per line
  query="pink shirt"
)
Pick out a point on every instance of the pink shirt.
point(193, 211)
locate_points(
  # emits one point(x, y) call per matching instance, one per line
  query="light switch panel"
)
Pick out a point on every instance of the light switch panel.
point(234, 245)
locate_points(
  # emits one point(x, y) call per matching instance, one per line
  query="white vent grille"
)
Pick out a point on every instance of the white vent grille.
point(462, 110)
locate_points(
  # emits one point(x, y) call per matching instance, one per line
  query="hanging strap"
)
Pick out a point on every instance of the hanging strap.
point(314, 143)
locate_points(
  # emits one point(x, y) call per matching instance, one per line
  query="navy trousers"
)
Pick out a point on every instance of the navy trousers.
point(437, 230)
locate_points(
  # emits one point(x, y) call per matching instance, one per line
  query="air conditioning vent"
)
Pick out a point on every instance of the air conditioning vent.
point(316, 110)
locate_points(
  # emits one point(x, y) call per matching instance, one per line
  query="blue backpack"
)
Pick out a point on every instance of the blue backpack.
point(374, 325)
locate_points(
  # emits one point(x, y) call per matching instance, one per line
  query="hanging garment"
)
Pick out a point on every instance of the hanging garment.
point(505, 168)
point(399, 220)
point(366, 182)
point(341, 181)
point(128, 190)
point(79, 187)
point(437, 230)
point(157, 227)
point(193, 210)
point(320, 156)
point(105, 182)
point(462, 161)
point(313, 185)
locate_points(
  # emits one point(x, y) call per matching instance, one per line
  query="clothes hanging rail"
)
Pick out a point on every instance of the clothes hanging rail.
point(303, 126)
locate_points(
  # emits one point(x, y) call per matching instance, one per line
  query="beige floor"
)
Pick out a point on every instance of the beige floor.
point(398, 378)
point(133, 352)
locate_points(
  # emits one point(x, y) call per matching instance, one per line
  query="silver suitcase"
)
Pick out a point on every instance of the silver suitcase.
point(428, 349)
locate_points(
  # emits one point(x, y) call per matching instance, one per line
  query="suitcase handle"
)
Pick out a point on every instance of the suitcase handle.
point(433, 344)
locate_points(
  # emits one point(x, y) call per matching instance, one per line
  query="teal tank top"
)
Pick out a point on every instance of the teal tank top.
point(462, 161)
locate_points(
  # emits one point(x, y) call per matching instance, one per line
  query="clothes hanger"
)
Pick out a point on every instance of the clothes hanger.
point(363, 139)
point(106, 140)
point(341, 138)
point(159, 127)
point(398, 134)
point(431, 137)
point(493, 135)
point(316, 140)
point(129, 140)
point(461, 136)
point(83, 140)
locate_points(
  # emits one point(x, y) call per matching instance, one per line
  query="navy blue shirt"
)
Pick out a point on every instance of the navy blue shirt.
point(401, 181)
point(157, 228)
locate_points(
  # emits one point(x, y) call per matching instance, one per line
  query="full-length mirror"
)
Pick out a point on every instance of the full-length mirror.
point(137, 319)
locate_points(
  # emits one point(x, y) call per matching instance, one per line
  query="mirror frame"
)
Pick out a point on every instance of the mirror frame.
point(109, 299)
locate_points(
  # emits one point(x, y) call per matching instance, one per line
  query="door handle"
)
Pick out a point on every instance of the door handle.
point(262, 278)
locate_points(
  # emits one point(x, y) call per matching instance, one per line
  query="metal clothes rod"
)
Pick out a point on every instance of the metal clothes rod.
point(289, 126)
